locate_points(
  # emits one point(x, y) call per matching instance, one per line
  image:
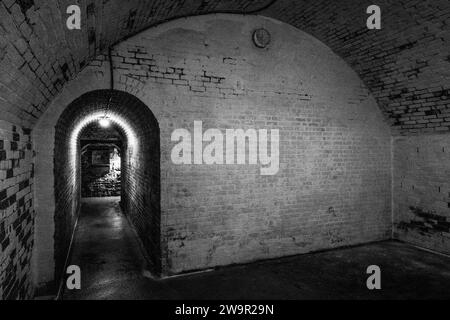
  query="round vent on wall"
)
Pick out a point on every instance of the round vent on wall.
point(261, 38)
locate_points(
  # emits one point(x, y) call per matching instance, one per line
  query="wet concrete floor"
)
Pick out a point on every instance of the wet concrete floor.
point(113, 267)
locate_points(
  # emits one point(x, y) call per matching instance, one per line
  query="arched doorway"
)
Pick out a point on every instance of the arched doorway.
point(140, 168)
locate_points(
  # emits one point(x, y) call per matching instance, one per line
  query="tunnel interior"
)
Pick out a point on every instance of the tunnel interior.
point(101, 160)
point(133, 137)
point(362, 116)
point(216, 214)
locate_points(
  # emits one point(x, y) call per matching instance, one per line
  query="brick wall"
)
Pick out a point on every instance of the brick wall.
point(334, 183)
point(16, 212)
point(38, 54)
point(405, 64)
point(422, 191)
point(67, 194)
point(333, 186)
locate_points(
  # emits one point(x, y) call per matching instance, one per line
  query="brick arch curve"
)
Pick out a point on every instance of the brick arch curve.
point(141, 168)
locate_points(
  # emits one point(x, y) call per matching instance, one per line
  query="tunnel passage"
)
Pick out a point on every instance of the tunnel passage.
point(140, 167)
point(333, 186)
point(101, 147)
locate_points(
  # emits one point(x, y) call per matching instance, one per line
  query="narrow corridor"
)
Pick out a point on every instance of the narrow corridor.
point(107, 251)
point(112, 267)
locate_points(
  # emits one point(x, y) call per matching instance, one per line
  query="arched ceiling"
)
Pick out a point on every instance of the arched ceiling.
point(405, 64)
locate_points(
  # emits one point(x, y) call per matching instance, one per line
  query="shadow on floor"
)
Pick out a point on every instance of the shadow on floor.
point(107, 251)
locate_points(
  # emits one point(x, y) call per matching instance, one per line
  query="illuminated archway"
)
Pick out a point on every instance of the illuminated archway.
point(140, 196)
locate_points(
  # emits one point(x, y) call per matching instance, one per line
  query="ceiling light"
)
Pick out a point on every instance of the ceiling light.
point(104, 122)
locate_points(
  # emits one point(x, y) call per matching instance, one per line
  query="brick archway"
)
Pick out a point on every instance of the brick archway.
point(141, 168)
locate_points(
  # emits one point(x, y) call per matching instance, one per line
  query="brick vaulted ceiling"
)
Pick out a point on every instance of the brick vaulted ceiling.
point(406, 64)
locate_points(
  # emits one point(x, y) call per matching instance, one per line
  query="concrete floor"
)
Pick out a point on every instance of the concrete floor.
point(112, 267)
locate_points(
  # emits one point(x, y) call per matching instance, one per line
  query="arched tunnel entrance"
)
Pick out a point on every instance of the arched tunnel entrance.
point(89, 122)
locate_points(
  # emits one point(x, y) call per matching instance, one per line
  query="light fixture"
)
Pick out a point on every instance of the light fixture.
point(104, 122)
point(261, 38)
